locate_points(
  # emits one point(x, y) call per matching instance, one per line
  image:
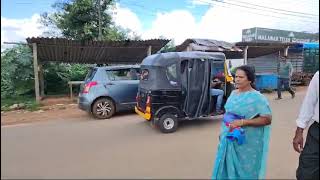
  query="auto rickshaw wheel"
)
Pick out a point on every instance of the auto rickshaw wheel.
point(167, 123)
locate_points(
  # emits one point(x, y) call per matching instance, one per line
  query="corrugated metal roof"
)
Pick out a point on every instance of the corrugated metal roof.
point(221, 45)
point(210, 45)
point(262, 44)
point(95, 52)
point(207, 45)
point(257, 49)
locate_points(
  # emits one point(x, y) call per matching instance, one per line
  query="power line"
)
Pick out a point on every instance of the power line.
point(275, 8)
point(255, 6)
point(145, 9)
point(293, 13)
point(142, 10)
point(248, 7)
point(152, 9)
point(140, 6)
point(271, 16)
point(30, 3)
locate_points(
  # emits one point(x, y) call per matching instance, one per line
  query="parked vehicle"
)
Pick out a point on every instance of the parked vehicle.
point(310, 57)
point(310, 64)
point(109, 89)
point(176, 86)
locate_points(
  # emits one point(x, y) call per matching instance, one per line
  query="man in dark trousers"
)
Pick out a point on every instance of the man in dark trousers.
point(309, 113)
point(285, 70)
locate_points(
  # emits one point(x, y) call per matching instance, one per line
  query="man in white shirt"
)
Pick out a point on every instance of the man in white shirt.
point(309, 113)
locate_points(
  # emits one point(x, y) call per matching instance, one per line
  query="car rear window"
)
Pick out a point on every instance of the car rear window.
point(91, 74)
point(122, 74)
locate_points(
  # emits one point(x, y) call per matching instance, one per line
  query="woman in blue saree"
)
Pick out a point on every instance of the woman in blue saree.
point(247, 160)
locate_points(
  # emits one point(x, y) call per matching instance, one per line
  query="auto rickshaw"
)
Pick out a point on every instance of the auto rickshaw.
point(175, 86)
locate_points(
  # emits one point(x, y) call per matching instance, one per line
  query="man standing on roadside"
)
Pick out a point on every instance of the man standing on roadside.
point(309, 112)
point(285, 71)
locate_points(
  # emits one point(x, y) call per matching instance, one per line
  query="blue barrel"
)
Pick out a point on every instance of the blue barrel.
point(266, 81)
point(311, 46)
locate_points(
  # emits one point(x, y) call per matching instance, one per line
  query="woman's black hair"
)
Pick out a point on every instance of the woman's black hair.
point(250, 73)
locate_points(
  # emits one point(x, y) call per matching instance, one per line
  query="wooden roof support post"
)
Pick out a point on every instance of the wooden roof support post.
point(245, 56)
point(35, 68)
point(286, 51)
point(41, 79)
point(189, 48)
point(149, 50)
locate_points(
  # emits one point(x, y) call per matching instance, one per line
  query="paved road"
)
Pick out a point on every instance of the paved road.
point(127, 147)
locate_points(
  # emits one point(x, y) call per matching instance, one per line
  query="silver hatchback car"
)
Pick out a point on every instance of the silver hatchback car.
point(109, 89)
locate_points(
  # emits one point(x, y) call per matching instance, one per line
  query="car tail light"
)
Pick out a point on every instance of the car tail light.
point(88, 86)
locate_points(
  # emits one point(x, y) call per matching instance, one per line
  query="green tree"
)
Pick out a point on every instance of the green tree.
point(57, 76)
point(17, 74)
point(16, 71)
point(79, 19)
point(170, 47)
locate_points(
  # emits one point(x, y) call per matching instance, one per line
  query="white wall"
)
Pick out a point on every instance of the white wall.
point(235, 62)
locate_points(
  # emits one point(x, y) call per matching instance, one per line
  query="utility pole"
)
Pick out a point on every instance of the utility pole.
point(99, 17)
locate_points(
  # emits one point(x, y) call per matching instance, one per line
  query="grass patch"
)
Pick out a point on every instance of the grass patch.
point(5, 108)
point(32, 106)
point(29, 102)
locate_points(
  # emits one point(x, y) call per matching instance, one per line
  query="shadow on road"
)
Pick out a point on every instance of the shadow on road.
point(198, 122)
point(124, 113)
point(184, 125)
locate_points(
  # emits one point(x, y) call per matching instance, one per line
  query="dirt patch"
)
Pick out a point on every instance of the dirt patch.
point(58, 111)
point(57, 100)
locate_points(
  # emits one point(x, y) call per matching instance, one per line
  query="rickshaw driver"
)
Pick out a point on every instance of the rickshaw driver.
point(216, 91)
point(144, 75)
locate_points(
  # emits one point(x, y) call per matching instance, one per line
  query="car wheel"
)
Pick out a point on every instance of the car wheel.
point(168, 123)
point(103, 108)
